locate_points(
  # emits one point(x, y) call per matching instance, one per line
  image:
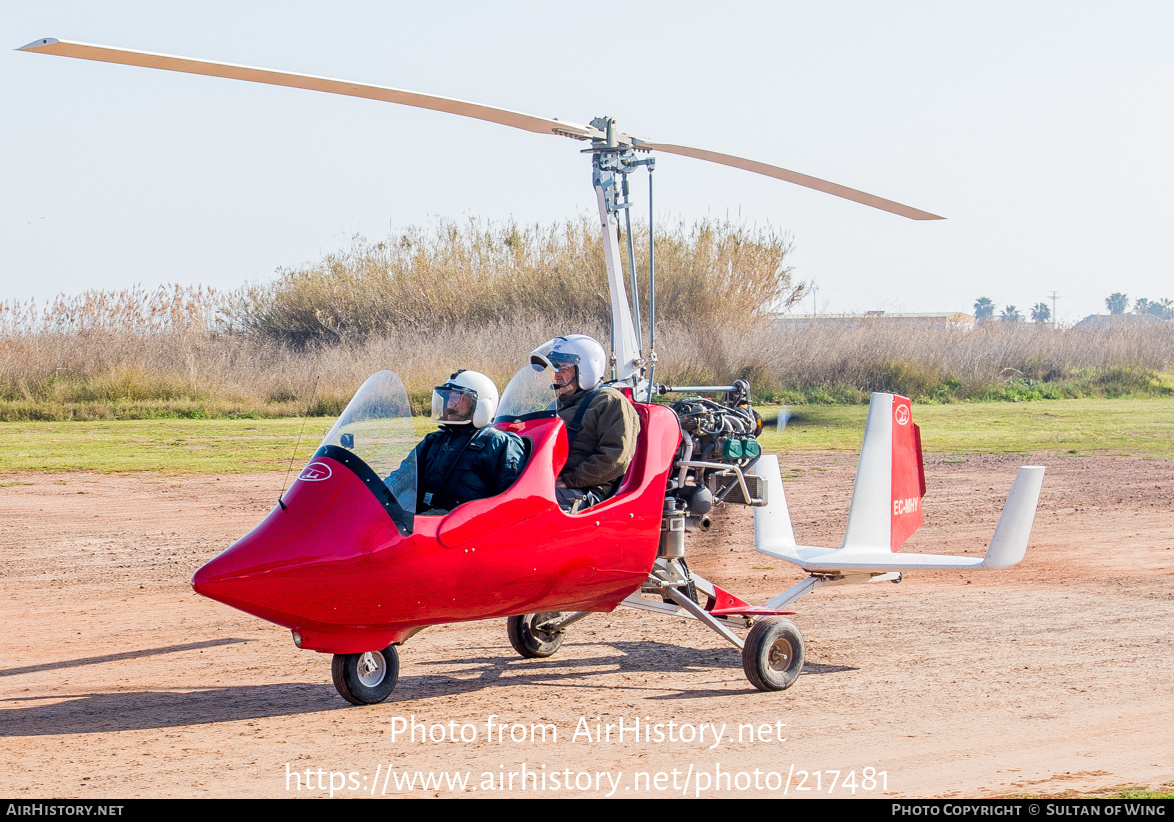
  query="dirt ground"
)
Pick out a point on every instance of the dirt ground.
point(116, 680)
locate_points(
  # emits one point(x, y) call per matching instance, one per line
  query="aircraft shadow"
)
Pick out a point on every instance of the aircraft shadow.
point(559, 672)
point(95, 660)
point(144, 710)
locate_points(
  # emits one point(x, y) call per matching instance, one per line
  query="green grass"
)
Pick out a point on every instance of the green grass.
point(1119, 792)
point(1125, 426)
point(1121, 426)
point(166, 446)
point(1143, 793)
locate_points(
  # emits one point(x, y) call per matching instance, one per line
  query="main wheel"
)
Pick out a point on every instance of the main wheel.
point(773, 654)
point(367, 678)
point(530, 639)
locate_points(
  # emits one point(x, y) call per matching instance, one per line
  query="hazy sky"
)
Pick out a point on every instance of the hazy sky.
point(1041, 130)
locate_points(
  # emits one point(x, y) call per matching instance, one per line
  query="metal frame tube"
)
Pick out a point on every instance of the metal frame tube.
point(651, 291)
point(704, 616)
point(632, 263)
point(722, 467)
point(699, 389)
point(570, 620)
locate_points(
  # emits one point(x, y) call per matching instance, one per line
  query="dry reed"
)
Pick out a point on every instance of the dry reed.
point(485, 274)
point(482, 296)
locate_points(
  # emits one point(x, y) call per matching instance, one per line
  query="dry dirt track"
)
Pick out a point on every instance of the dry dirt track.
point(117, 681)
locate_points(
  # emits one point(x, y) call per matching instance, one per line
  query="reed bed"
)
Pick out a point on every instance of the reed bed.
point(482, 296)
point(844, 363)
point(480, 274)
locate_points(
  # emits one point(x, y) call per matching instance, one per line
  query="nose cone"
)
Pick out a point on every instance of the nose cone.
point(204, 580)
point(233, 574)
point(304, 563)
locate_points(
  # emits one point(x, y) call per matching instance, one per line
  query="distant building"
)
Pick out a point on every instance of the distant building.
point(943, 319)
point(1103, 322)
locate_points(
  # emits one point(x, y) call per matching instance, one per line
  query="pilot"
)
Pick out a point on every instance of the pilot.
point(601, 423)
point(467, 458)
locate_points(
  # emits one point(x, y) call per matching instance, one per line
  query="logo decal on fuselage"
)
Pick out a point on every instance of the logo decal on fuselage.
point(902, 414)
point(315, 472)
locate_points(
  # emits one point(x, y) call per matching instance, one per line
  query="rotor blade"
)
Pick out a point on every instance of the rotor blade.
point(795, 177)
point(505, 117)
point(108, 54)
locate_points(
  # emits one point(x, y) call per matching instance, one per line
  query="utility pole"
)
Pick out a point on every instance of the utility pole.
point(1055, 319)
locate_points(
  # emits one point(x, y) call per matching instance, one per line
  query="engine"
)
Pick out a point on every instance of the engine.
point(719, 444)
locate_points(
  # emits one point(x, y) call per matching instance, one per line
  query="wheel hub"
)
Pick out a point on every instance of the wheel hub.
point(371, 669)
point(780, 655)
point(540, 626)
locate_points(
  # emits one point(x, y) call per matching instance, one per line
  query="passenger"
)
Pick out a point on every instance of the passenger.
point(467, 458)
point(602, 424)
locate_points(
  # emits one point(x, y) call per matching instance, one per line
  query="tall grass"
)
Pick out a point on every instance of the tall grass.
point(134, 350)
point(104, 376)
point(842, 363)
point(480, 275)
point(482, 296)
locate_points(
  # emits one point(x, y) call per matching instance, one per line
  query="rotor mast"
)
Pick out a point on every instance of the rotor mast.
point(611, 163)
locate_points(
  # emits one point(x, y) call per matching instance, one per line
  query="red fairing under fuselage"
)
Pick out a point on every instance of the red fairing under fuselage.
point(333, 567)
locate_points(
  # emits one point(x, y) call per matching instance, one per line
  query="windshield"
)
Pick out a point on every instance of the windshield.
point(529, 392)
point(376, 426)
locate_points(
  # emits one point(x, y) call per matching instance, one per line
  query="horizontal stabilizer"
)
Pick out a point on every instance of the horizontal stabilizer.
point(1009, 543)
point(773, 534)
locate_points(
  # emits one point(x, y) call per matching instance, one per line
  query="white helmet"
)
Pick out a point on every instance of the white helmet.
point(584, 352)
point(467, 397)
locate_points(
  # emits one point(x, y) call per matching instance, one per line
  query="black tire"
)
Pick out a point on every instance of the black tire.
point(530, 642)
point(773, 655)
point(367, 678)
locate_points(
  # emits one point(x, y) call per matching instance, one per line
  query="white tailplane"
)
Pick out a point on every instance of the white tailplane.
point(886, 507)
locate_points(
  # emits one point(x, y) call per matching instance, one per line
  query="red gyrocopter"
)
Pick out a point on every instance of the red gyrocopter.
point(346, 564)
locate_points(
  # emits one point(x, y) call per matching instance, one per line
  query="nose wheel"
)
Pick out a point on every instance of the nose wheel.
point(366, 678)
point(773, 654)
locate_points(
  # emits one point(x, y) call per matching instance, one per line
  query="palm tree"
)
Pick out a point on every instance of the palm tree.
point(1040, 313)
point(1010, 314)
point(1117, 302)
point(1162, 309)
point(984, 309)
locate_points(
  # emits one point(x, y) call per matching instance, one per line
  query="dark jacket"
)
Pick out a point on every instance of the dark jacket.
point(459, 463)
point(606, 441)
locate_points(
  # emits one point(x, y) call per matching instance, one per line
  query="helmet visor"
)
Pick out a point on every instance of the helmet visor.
point(453, 404)
point(561, 359)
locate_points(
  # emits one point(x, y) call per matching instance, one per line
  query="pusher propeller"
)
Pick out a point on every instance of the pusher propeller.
point(505, 117)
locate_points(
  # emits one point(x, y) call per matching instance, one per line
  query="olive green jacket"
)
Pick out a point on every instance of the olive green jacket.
point(605, 444)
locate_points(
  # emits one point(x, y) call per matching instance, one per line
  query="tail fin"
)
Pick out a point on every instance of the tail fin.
point(890, 477)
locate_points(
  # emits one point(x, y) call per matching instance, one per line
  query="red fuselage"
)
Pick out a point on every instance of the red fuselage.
point(333, 567)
